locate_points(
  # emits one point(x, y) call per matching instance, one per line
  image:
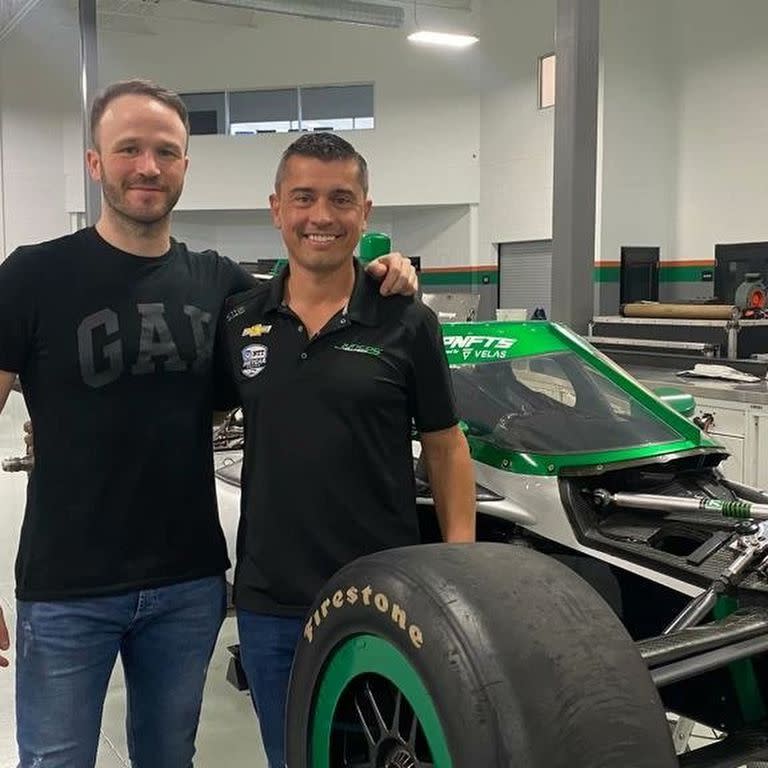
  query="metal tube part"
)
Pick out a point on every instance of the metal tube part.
point(704, 662)
point(739, 509)
point(695, 611)
point(752, 546)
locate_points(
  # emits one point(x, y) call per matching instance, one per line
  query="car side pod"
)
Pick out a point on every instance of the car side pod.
point(460, 655)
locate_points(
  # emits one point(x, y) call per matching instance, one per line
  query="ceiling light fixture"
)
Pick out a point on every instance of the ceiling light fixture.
point(443, 38)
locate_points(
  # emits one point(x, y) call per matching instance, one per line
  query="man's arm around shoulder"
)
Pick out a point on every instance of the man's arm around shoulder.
point(6, 384)
point(452, 479)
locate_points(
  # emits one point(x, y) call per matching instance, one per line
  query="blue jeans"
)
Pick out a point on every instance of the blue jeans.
point(65, 653)
point(267, 647)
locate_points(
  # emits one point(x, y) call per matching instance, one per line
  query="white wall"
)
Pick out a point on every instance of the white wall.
point(638, 127)
point(516, 138)
point(684, 126)
point(723, 128)
point(439, 235)
point(423, 150)
point(38, 98)
point(427, 150)
point(246, 235)
point(241, 235)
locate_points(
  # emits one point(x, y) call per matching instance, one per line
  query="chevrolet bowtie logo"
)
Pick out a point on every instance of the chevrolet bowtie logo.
point(256, 330)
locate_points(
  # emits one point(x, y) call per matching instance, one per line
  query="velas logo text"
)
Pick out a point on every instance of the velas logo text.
point(478, 347)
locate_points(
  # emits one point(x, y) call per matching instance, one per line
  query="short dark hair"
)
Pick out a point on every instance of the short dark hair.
point(140, 88)
point(326, 147)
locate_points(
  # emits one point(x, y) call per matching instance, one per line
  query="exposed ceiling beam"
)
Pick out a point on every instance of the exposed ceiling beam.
point(11, 13)
point(349, 11)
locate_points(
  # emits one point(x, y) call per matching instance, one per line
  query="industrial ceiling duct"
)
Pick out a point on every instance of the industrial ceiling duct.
point(11, 14)
point(350, 11)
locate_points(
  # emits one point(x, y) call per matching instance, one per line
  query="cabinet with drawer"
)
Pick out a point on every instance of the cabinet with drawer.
point(728, 426)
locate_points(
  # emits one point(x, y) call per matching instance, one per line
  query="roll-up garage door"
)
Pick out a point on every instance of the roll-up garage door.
point(525, 275)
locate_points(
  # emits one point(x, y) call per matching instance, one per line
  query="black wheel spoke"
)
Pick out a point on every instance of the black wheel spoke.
point(396, 716)
point(357, 764)
point(414, 731)
point(374, 725)
point(366, 729)
point(376, 711)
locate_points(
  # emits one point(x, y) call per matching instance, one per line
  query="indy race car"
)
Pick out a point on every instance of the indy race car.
point(616, 596)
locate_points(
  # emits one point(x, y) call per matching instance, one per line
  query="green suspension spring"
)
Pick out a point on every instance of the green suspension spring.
point(738, 509)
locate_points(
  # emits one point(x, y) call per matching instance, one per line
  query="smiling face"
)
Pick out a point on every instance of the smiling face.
point(321, 210)
point(140, 159)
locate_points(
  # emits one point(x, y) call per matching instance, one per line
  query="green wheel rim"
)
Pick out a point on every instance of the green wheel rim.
point(368, 654)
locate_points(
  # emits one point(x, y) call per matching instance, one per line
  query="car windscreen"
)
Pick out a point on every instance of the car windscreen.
point(552, 403)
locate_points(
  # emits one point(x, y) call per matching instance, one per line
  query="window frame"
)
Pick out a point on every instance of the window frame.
point(296, 124)
point(540, 80)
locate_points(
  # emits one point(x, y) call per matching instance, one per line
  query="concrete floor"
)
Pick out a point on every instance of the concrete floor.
point(228, 735)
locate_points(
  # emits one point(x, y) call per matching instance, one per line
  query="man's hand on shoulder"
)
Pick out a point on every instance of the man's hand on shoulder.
point(396, 273)
point(5, 640)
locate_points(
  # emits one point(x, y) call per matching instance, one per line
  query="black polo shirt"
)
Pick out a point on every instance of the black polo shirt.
point(328, 473)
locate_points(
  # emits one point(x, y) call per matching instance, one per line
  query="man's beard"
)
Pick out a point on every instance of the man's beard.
point(114, 197)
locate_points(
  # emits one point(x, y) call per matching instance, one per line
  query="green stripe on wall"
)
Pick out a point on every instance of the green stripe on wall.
point(668, 273)
point(606, 274)
point(460, 277)
point(682, 274)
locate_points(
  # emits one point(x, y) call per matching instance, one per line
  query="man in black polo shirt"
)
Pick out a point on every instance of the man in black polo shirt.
point(330, 378)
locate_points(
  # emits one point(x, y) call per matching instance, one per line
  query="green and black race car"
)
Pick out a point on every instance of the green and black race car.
point(619, 583)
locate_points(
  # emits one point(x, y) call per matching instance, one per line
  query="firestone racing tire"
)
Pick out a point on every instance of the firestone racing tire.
point(469, 656)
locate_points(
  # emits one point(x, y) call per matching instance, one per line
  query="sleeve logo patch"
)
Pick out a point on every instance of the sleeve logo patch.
point(254, 360)
point(256, 330)
point(235, 312)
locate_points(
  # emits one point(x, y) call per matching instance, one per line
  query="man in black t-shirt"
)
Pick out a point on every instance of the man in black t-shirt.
point(110, 331)
point(330, 377)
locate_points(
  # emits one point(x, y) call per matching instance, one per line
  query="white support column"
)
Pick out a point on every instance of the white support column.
point(88, 86)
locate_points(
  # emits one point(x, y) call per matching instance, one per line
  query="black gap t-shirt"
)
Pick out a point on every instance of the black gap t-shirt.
point(114, 354)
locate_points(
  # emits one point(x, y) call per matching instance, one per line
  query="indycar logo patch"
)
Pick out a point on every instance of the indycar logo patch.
point(256, 330)
point(254, 360)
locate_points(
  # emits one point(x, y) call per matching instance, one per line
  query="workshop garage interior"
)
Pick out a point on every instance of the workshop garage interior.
point(581, 188)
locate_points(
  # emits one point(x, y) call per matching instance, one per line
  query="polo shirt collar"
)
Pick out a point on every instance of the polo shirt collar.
point(363, 303)
point(276, 290)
